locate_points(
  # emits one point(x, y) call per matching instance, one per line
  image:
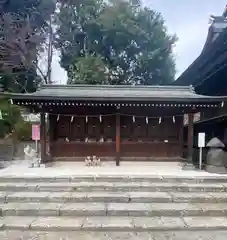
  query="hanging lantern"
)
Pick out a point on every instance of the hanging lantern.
point(11, 101)
point(146, 120)
point(174, 120)
point(160, 120)
point(133, 119)
point(58, 118)
point(1, 115)
point(100, 118)
point(86, 119)
point(72, 118)
point(222, 104)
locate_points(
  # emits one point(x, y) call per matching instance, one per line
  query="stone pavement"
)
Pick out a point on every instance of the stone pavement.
point(184, 235)
point(71, 169)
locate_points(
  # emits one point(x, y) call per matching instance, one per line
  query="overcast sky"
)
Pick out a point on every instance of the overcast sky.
point(188, 19)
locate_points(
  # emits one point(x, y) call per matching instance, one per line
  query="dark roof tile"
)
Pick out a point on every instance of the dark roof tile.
point(114, 92)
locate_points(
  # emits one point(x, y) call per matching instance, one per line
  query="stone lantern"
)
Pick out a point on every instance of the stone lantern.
point(215, 161)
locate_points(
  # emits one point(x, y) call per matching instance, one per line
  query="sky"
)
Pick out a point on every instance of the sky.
point(187, 19)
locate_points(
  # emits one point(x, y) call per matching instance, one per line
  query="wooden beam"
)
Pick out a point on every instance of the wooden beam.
point(118, 139)
point(43, 137)
point(190, 136)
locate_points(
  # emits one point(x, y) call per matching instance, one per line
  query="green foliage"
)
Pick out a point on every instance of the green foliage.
point(91, 69)
point(13, 124)
point(131, 41)
point(38, 11)
point(21, 81)
point(23, 131)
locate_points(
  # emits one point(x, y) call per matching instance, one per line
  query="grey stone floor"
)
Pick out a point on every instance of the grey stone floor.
point(184, 235)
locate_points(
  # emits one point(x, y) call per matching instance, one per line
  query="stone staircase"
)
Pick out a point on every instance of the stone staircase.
point(115, 206)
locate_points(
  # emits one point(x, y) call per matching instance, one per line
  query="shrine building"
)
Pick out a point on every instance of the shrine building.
point(120, 123)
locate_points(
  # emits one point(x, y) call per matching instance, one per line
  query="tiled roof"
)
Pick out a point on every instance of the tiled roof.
point(115, 92)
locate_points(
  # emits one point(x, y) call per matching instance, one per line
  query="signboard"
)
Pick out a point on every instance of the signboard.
point(201, 140)
point(36, 132)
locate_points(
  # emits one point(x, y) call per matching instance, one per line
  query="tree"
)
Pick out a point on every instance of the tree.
point(13, 126)
point(91, 70)
point(24, 28)
point(131, 41)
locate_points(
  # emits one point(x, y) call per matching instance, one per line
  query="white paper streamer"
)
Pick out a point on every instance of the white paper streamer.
point(133, 119)
point(146, 120)
point(100, 118)
point(160, 120)
point(174, 120)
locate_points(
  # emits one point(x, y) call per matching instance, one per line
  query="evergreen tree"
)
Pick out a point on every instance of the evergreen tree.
point(127, 43)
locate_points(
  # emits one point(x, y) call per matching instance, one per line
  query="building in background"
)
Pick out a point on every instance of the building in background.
point(208, 75)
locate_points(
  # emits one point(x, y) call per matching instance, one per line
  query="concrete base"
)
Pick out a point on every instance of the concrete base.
point(216, 169)
point(40, 165)
point(188, 167)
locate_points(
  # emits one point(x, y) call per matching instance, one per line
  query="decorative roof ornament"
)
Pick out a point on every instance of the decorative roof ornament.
point(225, 12)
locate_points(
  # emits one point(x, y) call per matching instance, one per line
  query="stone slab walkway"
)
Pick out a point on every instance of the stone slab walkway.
point(108, 224)
point(184, 235)
point(70, 169)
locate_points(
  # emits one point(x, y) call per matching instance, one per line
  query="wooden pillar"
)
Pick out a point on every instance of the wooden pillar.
point(181, 136)
point(190, 136)
point(118, 139)
point(49, 131)
point(43, 137)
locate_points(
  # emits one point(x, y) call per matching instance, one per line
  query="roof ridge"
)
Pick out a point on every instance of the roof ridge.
point(129, 87)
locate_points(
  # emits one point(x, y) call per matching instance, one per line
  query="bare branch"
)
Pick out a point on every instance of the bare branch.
point(23, 87)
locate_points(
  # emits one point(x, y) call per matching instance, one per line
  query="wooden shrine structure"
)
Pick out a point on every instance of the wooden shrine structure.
point(115, 122)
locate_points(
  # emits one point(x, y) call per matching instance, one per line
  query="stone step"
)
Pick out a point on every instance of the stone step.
point(116, 197)
point(116, 224)
point(112, 186)
point(113, 209)
point(113, 235)
point(120, 178)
